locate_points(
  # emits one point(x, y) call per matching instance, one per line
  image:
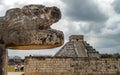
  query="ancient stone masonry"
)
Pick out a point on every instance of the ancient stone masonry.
point(71, 66)
point(77, 47)
point(29, 27)
point(3, 60)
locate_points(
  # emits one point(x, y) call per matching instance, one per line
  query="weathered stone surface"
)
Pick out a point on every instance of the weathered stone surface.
point(3, 60)
point(29, 27)
point(1, 27)
point(71, 66)
point(32, 17)
point(35, 39)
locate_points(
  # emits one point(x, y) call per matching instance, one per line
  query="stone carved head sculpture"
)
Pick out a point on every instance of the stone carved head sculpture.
point(29, 27)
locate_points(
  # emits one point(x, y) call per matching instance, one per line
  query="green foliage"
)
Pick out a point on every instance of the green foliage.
point(115, 55)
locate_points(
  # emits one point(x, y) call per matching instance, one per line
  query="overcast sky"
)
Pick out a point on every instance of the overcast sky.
point(97, 20)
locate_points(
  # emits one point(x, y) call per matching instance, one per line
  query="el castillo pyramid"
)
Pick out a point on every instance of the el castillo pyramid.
point(77, 47)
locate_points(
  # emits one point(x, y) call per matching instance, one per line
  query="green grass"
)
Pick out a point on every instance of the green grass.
point(11, 69)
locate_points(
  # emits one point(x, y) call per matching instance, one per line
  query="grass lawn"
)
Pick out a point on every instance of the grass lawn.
point(11, 69)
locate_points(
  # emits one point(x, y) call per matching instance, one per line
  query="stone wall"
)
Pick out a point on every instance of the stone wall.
point(71, 66)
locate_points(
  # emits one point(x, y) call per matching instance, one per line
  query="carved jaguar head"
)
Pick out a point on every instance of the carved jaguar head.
point(32, 17)
point(29, 28)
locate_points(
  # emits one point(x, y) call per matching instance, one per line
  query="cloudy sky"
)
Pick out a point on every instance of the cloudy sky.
point(97, 20)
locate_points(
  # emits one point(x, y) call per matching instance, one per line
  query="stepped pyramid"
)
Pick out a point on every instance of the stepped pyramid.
point(77, 47)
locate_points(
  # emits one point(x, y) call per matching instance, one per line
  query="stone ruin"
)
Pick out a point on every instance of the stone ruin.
point(77, 47)
point(36, 65)
point(28, 28)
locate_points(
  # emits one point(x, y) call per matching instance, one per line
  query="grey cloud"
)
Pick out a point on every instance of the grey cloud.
point(113, 37)
point(19, 5)
point(88, 30)
point(109, 36)
point(107, 43)
point(85, 10)
point(95, 28)
point(116, 5)
point(1, 2)
point(112, 51)
point(7, 7)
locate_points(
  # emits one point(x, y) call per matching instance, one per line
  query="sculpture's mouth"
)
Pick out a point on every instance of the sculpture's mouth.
point(40, 39)
point(32, 47)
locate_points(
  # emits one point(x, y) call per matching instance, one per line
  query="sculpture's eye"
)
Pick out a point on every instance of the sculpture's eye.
point(36, 13)
point(55, 14)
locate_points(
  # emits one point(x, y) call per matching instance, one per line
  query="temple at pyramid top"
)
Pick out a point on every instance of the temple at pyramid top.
point(77, 47)
point(76, 38)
